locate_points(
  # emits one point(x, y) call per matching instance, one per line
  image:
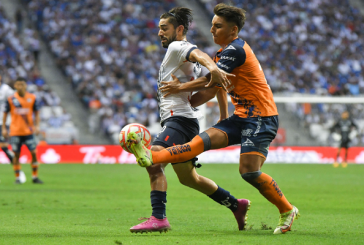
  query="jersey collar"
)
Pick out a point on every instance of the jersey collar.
point(221, 49)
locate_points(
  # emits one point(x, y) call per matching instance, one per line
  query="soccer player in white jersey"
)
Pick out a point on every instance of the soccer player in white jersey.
point(5, 92)
point(179, 120)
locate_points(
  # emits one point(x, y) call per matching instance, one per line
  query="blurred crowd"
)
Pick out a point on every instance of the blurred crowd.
point(310, 46)
point(19, 49)
point(318, 119)
point(111, 53)
point(306, 46)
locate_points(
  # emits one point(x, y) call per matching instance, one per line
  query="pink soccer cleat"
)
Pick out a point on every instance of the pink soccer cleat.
point(151, 224)
point(241, 213)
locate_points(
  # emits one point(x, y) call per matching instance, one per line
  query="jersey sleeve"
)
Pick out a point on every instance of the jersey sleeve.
point(6, 107)
point(36, 104)
point(231, 57)
point(181, 50)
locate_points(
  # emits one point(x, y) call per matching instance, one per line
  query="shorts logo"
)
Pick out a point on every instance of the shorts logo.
point(258, 127)
point(230, 47)
point(248, 142)
point(247, 132)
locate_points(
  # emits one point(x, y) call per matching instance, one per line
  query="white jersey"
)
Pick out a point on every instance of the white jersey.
point(175, 62)
point(5, 92)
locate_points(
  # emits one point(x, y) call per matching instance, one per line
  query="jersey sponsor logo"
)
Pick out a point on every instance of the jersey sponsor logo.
point(175, 150)
point(229, 89)
point(230, 47)
point(248, 142)
point(228, 58)
point(223, 65)
point(22, 111)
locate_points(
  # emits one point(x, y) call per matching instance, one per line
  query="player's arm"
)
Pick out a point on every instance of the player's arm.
point(217, 77)
point(36, 124)
point(223, 104)
point(353, 125)
point(203, 96)
point(5, 116)
point(334, 127)
point(37, 117)
point(175, 86)
point(3, 127)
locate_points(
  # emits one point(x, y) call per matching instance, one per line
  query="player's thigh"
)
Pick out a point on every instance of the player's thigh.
point(30, 142)
point(16, 142)
point(185, 171)
point(256, 136)
point(225, 133)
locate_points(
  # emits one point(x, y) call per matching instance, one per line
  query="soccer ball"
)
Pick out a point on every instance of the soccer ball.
point(139, 129)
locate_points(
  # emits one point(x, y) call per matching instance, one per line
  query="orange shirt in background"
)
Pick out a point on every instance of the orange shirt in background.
point(21, 110)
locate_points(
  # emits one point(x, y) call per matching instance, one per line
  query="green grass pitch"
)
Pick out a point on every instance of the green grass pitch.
point(97, 204)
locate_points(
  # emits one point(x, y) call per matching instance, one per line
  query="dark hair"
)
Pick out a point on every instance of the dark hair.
point(21, 79)
point(179, 16)
point(231, 14)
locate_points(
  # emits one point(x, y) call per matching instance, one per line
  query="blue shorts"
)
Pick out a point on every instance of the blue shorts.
point(17, 141)
point(177, 131)
point(254, 134)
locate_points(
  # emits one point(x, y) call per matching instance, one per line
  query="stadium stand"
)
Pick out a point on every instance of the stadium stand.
point(308, 47)
point(18, 56)
point(111, 53)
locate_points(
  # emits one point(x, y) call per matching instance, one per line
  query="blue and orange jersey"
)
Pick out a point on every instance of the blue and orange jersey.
point(21, 110)
point(249, 91)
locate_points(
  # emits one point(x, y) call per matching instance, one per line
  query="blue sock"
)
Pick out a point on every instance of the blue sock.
point(8, 153)
point(224, 198)
point(158, 200)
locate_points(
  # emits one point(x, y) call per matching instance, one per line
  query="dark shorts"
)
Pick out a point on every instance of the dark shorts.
point(253, 134)
point(2, 138)
point(17, 141)
point(177, 131)
point(345, 144)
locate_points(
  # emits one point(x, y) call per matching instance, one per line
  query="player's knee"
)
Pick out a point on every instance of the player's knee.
point(251, 176)
point(155, 171)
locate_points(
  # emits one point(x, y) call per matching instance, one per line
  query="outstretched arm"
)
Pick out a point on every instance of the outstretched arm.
point(4, 130)
point(217, 76)
point(203, 96)
point(223, 104)
point(175, 86)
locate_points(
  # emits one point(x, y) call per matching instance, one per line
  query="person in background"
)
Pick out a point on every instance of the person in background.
point(344, 126)
point(21, 107)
